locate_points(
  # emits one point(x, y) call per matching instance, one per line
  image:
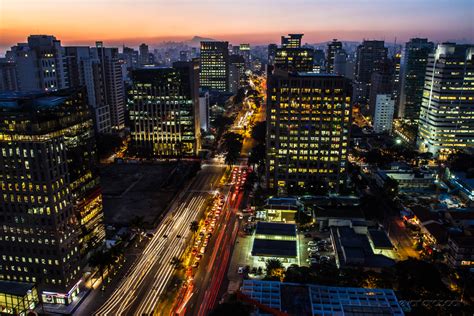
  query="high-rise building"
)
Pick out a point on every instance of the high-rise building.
point(333, 48)
point(236, 72)
point(291, 41)
point(204, 111)
point(272, 48)
point(214, 72)
point(415, 59)
point(114, 90)
point(131, 57)
point(8, 78)
point(144, 54)
point(371, 57)
point(339, 63)
point(40, 64)
point(164, 110)
point(292, 57)
point(244, 50)
point(85, 69)
point(446, 121)
point(381, 82)
point(184, 55)
point(51, 204)
point(308, 123)
point(383, 113)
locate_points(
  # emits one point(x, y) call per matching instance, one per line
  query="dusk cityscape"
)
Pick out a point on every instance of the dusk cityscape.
point(221, 158)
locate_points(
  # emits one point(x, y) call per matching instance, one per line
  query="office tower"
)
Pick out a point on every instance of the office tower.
point(319, 57)
point(214, 73)
point(244, 50)
point(114, 94)
point(415, 58)
point(204, 111)
point(447, 110)
point(339, 63)
point(291, 41)
point(371, 57)
point(383, 113)
point(333, 48)
point(8, 78)
point(396, 79)
point(236, 72)
point(164, 110)
point(144, 54)
point(131, 57)
point(292, 57)
point(381, 82)
point(308, 122)
point(51, 202)
point(272, 48)
point(184, 55)
point(85, 69)
point(40, 64)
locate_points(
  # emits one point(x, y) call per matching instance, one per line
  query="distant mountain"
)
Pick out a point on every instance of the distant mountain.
point(196, 41)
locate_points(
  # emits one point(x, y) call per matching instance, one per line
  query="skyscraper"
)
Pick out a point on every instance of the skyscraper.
point(333, 48)
point(51, 205)
point(383, 113)
point(447, 110)
point(85, 69)
point(236, 72)
point(164, 110)
point(292, 57)
point(272, 48)
point(40, 64)
point(308, 122)
point(214, 72)
point(8, 77)
point(244, 50)
point(144, 54)
point(114, 90)
point(415, 59)
point(371, 57)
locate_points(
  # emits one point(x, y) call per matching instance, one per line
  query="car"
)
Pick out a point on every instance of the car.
point(195, 264)
point(324, 258)
point(311, 243)
point(308, 235)
point(312, 260)
point(240, 270)
point(312, 249)
point(194, 251)
point(203, 249)
point(199, 257)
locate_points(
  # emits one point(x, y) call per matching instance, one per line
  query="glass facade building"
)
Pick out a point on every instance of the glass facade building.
point(308, 122)
point(164, 111)
point(214, 70)
point(17, 298)
point(446, 122)
point(51, 203)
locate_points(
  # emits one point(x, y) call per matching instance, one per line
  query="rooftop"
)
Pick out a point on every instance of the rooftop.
point(380, 239)
point(279, 229)
point(274, 248)
point(15, 288)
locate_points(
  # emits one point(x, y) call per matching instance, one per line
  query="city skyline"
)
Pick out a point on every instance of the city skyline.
point(130, 24)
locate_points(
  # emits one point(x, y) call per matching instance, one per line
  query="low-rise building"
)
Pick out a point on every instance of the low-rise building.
point(461, 251)
point(282, 209)
point(406, 179)
point(313, 299)
point(17, 298)
point(275, 240)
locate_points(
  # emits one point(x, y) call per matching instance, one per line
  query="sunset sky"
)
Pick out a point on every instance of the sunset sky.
point(255, 21)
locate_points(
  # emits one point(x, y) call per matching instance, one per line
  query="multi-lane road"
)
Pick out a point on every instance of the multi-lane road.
point(139, 291)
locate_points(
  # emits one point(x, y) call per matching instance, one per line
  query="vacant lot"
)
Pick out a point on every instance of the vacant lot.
point(142, 190)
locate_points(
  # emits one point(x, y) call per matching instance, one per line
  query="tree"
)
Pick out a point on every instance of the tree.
point(194, 227)
point(274, 269)
point(107, 144)
point(232, 307)
point(259, 132)
point(233, 145)
point(257, 155)
point(221, 122)
point(101, 260)
point(390, 187)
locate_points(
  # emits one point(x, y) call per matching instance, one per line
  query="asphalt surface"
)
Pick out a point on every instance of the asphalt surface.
point(139, 291)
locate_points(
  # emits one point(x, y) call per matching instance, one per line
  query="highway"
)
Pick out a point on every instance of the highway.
point(141, 288)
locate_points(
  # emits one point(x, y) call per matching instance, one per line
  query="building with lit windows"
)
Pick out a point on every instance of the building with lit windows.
point(17, 298)
point(383, 113)
point(214, 66)
point(236, 72)
point(51, 203)
point(40, 64)
point(415, 59)
point(308, 122)
point(164, 110)
point(334, 48)
point(292, 57)
point(371, 57)
point(447, 111)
